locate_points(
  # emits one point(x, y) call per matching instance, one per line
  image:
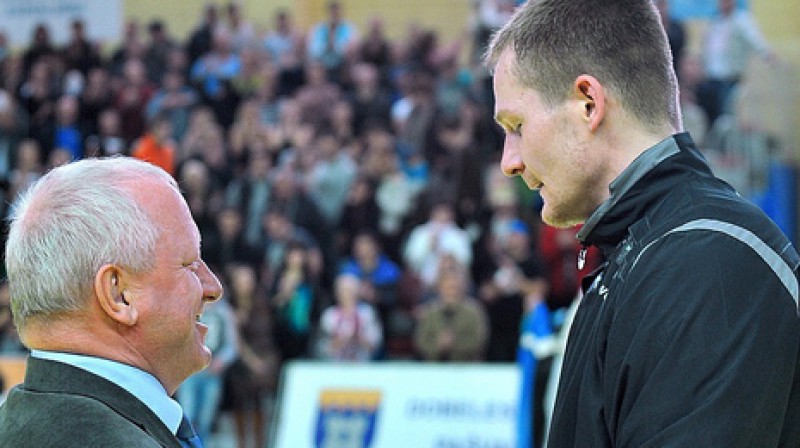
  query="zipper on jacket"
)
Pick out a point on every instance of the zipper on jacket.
point(582, 257)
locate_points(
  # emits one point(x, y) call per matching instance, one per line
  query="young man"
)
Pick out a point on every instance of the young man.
point(107, 287)
point(689, 334)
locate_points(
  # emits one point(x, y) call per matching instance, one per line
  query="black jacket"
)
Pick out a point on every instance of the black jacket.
point(688, 335)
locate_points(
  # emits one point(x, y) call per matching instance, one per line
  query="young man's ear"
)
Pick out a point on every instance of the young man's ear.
point(109, 286)
point(592, 97)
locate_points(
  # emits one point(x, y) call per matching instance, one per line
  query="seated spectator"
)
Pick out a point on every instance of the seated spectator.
point(158, 49)
point(379, 275)
point(330, 177)
point(13, 128)
point(213, 73)
point(317, 95)
point(38, 95)
point(157, 146)
point(360, 213)
point(350, 329)
point(96, 97)
point(69, 133)
point(79, 53)
point(10, 343)
point(295, 295)
point(226, 244)
point(29, 167)
point(330, 40)
point(452, 327)
point(519, 274)
point(252, 380)
point(174, 99)
point(430, 241)
point(132, 97)
point(249, 192)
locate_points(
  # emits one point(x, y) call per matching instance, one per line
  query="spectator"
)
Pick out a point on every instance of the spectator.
point(108, 141)
point(69, 132)
point(360, 213)
point(202, 128)
point(248, 135)
point(331, 177)
point(5, 48)
point(243, 33)
point(560, 250)
point(316, 96)
point(213, 74)
point(676, 34)
point(174, 99)
point(156, 55)
point(29, 167)
point(226, 243)
point(134, 93)
point(157, 146)
point(378, 274)
point(296, 298)
point(375, 49)
point(79, 53)
point(349, 330)
point(396, 192)
point(289, 199)
point(201, 39)
point(285, 47)
point(130, 47)
point(519, 273)
point(731, 40)
point(434, 239)
point(452, 327)
point(13, 128)
point(371, 102)
point(201, 193)
point(330, 40)
point(38, 96)
point(487, 17)
point(252, 380)
point(95, 97)
point(538, 344)
point(249, 193)
point(40, 49)
point(10, 343)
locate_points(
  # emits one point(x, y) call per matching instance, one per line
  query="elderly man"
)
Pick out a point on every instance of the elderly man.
point(107, 287)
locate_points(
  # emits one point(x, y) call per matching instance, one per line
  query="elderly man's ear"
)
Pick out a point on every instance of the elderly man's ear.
point(109, 286)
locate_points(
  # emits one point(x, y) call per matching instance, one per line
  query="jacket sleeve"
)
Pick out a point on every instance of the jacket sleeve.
point(704, 349)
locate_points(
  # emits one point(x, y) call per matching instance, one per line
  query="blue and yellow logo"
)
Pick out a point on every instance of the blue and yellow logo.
point(347, 418)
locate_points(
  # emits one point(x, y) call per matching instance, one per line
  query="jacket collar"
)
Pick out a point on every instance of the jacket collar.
point(649, 177)
point(52, 376)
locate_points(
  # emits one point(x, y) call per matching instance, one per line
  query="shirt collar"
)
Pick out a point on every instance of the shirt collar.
point(139, 383)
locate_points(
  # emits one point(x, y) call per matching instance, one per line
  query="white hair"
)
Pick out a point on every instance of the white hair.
point(75, 219)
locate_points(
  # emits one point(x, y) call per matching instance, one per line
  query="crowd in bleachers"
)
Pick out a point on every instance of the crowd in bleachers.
point(346, 185)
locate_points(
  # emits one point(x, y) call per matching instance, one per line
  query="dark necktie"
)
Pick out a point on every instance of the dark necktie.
point(187, 436)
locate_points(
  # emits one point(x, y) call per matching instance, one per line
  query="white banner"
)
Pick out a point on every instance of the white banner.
point(102, 18)
point(397, 405)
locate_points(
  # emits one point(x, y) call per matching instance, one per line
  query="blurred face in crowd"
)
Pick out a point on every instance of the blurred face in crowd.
point(365, 250)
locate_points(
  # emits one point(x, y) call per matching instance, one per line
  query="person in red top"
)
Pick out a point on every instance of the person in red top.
point(156, 146)
point(560, 250)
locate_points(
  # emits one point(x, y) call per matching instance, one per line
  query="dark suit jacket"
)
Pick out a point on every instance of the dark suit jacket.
point(63, 406)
